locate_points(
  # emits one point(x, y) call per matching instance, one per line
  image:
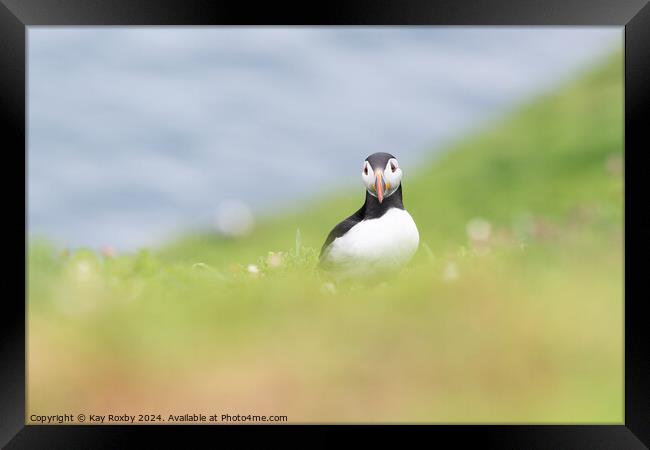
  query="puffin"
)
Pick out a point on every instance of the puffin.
point(381, 236)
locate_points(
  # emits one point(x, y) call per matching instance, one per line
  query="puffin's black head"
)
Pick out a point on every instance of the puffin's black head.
point(381, 175)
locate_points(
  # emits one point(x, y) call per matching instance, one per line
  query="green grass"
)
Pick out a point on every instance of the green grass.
point(524, 327)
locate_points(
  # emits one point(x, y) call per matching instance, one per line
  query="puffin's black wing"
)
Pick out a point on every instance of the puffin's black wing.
point(341, 229)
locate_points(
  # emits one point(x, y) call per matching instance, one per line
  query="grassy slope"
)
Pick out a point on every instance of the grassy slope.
point(546, 159)
point(528, 329)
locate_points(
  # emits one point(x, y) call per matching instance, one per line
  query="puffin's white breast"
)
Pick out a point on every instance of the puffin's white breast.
point(388, 242)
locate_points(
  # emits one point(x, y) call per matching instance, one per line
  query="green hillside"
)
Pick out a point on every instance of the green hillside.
point(512, 310)
point(547, 159)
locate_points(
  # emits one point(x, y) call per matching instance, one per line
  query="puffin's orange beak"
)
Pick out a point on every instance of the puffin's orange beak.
point(379, 185)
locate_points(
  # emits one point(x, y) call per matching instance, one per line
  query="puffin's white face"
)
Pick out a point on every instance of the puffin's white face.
point(382, 182)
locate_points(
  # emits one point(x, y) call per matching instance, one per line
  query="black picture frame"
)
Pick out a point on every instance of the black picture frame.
point(633, 15)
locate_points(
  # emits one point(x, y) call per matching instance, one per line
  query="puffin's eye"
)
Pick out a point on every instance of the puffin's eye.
point(393, 166)
point(365, 169)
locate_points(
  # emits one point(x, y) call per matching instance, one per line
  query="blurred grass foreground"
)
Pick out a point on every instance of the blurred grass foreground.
point(512, 310)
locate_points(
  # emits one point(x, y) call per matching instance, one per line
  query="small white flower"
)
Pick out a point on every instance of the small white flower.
point(83, 271)
point(274, 259)
point(253, 269)
point(234, 218)
point(479, 230)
